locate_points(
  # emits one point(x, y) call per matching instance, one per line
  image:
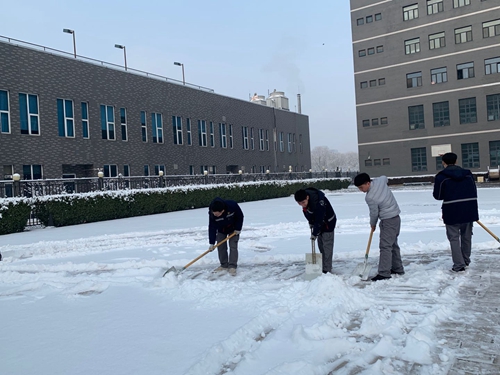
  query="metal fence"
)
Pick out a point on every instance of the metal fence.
point(36, 188)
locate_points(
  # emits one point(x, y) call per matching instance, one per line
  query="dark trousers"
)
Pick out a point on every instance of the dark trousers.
point(325, 245)
point(232, 260)
point(460, 237)
point(390, 254)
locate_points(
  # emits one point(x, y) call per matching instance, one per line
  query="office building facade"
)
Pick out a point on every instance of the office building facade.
point(66, 116)
point(427, 76)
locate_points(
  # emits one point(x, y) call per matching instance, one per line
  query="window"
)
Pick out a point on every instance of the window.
point(267, 140)
point(144, 128)
point(252, 139)
point(410, 12)
point(418, 159)
point(261, 139)
point(369, 19)
point(85, 120)
point(460, 3)
point(212, 134)
point(366, 123)
point(463, 35)
point(363, 84)
point(378, 16)
point(371, 51)
point(380, 49)
point(374, 121)
point(373, 83)
point(188, 132)
point(377, 162)
point(123, 123)
point(434, 6)
point(301, 149)
point(126, 170)
point(368, 163)
point(465, 71)
point(107, 122)
point(244, 137)
point(32, 172)
point(4, 112)
point(146, 170)
point(289, 143)
point(414, 79)
point(65, 118)
point(439, 163)
point(177, 129)
point(386, 161)
point(383, 121)
point(110, 170)
point(28, 110)
point(467, 110)
point(439, 75)
point(223, 136)
point(416, 117)
point(282, 142)
point(157, 127)
point(491, 28)
point(412, 46)
point(362, 52)
point(202, 133)
point(437, 41)
point(491, 66)
point(381, 81)
point(470, 155)
point(158, 168)
point(360, 21)
point(494, 154)
point(231, 145)
point(493, 107)
point(441, 113)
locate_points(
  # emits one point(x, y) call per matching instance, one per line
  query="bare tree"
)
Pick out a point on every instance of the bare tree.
point(323, 158)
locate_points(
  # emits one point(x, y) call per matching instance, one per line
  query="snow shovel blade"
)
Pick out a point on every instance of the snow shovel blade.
point(313, 270)
point(171, 269)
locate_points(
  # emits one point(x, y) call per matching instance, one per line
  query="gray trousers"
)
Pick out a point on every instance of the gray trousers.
point(232, 260)
point(325, 245)
point(390, 255)
point(460, 237)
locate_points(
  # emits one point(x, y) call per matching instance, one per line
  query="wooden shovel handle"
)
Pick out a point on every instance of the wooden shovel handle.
point(209, 250)
point(489, 231)
point(369, 243)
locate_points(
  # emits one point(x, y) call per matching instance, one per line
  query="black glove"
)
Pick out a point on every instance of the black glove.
point(313, 237)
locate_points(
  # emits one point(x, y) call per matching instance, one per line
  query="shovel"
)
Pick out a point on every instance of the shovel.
point(362, 270)
point(314, 263)
point(489, 231)
point(212, 248)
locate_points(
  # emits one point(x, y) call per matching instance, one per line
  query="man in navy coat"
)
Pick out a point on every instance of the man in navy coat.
point(456, 187)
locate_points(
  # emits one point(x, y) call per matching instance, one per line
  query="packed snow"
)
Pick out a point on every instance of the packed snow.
point(91, 299)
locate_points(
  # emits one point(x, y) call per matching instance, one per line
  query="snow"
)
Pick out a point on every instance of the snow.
point(90, 299)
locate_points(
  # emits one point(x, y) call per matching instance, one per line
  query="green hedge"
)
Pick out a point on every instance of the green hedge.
point(63, 210)
point(14, 215)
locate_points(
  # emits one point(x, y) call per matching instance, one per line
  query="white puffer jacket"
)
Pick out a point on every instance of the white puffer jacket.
point(381, 201)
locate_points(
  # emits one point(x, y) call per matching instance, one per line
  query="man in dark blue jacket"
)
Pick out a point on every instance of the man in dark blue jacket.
point(456, 187)
point(321, 217)
point(225, 217)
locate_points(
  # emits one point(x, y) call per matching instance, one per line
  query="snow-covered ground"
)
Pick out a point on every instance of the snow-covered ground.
point(90, 299)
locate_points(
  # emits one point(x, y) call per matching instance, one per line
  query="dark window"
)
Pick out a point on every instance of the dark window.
point(470, 155)
point(363, 84)
point(418, 159)
point(414, 79)
point(369, 19)
point(362, 53)
point(383, 121)
point(441, 113)
point(360, 21)
point(377, 162)
point(386, 161)
point(493, 107)
point(378, 16)
point(467, 110)
point(366, 123)
point(439, 163)
point(373, 83)
point(380, 49)
point(494, 154)
point(368, 163)
point(465, 71)
point(374, 121)
point(416, 117)
point(381, 81)
point(371, 51)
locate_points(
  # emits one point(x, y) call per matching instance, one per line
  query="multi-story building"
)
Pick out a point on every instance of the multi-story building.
point(427, 75)
point(68, 116)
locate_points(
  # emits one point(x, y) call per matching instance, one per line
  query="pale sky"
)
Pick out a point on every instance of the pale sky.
point(236, 48)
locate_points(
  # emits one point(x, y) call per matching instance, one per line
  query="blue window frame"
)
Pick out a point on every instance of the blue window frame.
point(108, 122)
point(223, 136)
point(144, 127)
point(4, 112)
point(65, 118)
point(123, 124)
point(29, 116)
point(202, 133)
point(177, 129)
point(157, 126)
point(188, 132)
point(85, 120)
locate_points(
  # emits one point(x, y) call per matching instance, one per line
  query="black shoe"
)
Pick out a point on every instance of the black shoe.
point(459, 270)
point(397, 273)
point(0, 256)
point(380, 277)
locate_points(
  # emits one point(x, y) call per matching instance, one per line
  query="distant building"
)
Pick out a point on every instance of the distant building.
point(63, 116)
point(427, 75)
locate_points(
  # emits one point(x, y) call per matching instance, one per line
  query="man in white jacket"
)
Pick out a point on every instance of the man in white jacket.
point(383, 206)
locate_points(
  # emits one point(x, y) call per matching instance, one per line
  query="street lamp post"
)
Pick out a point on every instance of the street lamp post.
point(124, 53)
point(181, 65)
point(69, 31)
